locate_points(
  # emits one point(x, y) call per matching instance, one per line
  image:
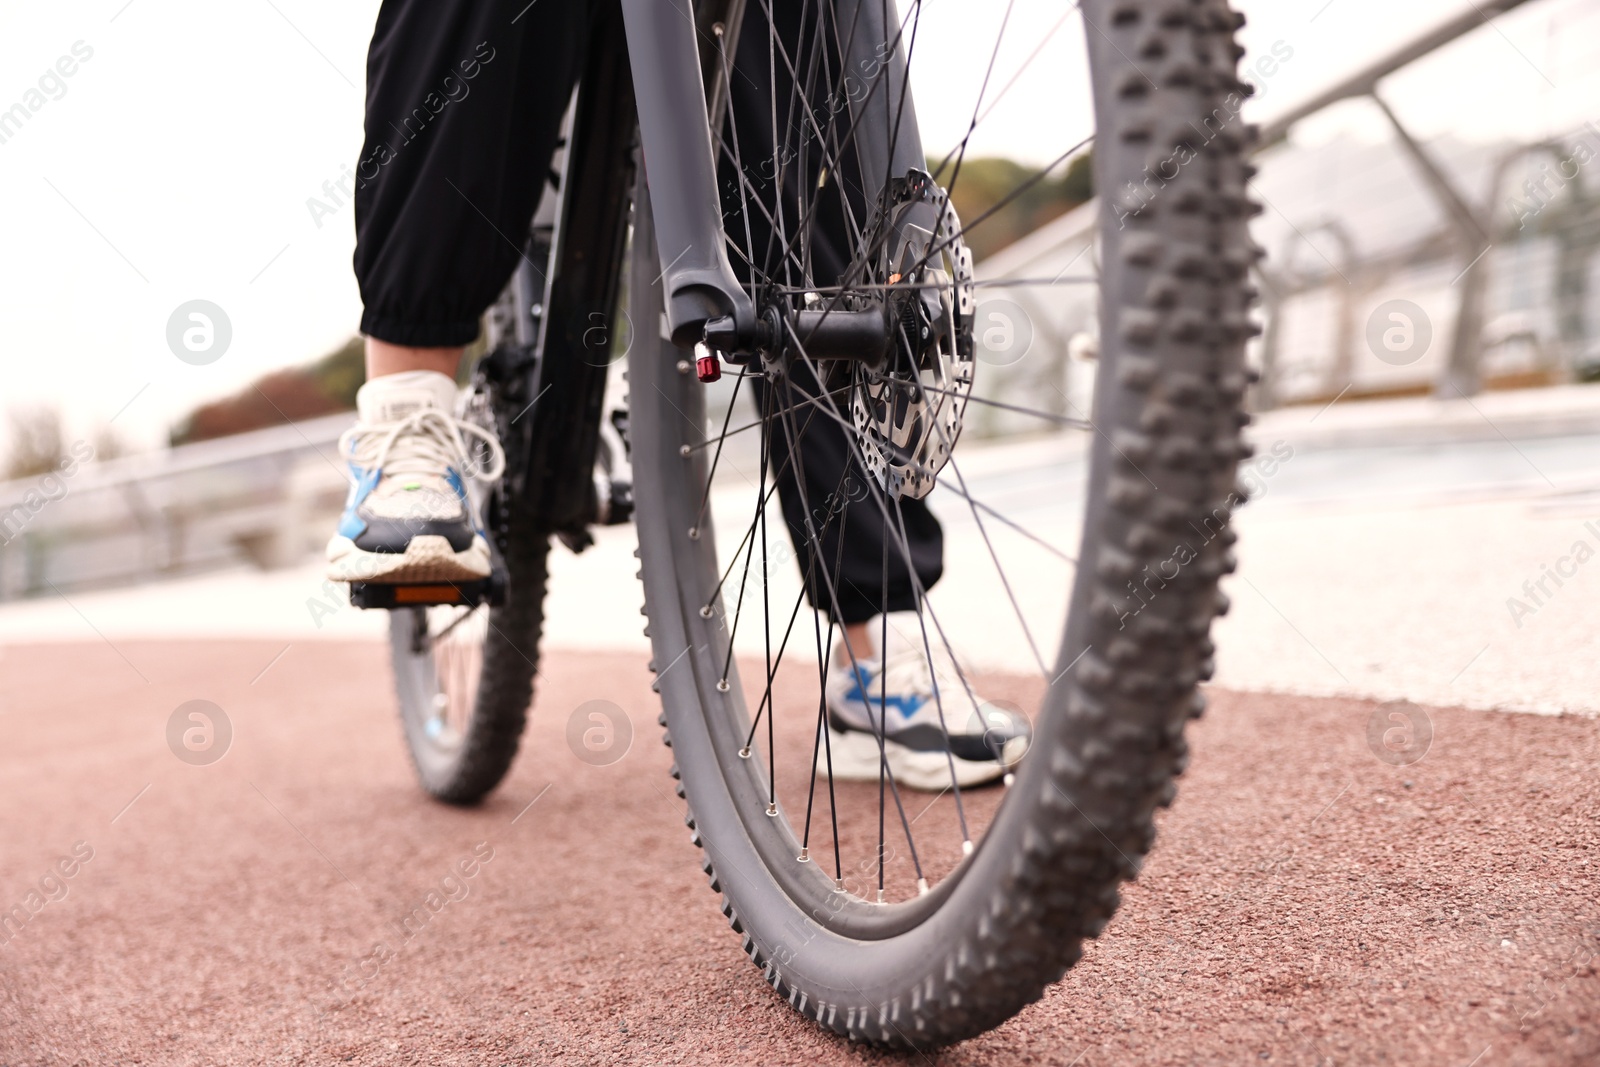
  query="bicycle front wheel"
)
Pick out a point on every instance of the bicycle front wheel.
point(1080, 560)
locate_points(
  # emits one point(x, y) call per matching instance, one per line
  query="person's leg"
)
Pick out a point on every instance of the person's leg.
point(464, 104)
point(384, 358)
point(813, 460)
point(867, 560)
point(831, 480)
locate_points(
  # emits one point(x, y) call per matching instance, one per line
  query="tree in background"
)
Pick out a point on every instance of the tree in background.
point(36, 446)
point(983, 184)
point(320, 388)
point(108, 444)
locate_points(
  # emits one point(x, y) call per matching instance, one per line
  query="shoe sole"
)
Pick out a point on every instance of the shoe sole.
point(855, 758)
point(428, 558)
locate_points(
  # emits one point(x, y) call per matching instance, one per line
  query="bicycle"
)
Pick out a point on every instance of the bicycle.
point(993, 893)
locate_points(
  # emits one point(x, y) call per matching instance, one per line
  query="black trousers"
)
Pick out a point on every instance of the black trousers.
point(464, 105)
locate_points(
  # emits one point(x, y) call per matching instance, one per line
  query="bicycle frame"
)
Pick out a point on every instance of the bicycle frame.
point(669, 78)
point(674, 56)
point(567, 381)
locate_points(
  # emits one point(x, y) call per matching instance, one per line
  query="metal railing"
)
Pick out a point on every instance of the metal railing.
point(265, 497)
point(1503, 298)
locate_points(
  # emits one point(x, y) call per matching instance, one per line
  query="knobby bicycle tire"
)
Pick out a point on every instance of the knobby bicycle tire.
point(1109, 741)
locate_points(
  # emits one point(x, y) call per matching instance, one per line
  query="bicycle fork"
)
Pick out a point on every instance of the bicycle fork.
point(704, 300)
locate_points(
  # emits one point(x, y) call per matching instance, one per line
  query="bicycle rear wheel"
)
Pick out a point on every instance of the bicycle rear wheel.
point(464, 675)
point(916, 924)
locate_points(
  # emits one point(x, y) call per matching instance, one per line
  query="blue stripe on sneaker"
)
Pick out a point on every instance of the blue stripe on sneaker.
point(453, 477)
point(351, 524)
point(907, 706)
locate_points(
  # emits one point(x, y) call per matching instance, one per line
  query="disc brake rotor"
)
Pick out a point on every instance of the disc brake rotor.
point(909, 411)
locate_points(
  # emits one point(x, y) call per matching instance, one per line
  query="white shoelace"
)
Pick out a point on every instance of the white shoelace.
point(425, 443)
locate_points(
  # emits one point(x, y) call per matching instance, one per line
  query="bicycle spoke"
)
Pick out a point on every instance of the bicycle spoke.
point(726, 433)
point(738, 162)
point(815, 184)
point(716, 458)
point(738, 606)
point(905, 90)
point(876, 492)
point(961, 149)
point(433, 638)
point(824, 657)
point(969, 225)
point(856, 671)
point(766, 632)
point(854, 667)
point(1001, 95)
point(766, 696)
point(909, 287)
point(1018, 527)
point(1000, 569)
point(988, 543)
point(727, 572)
point(1060, 420)
point(921, 600)
point(793, 615)
point(1028, 283)
point(833, 168)
point(938, 698)
point(749, 533)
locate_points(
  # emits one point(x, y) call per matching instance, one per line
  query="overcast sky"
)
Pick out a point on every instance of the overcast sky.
point(176, 160)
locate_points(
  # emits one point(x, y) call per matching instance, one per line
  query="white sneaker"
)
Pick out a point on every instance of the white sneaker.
point(974, 741)
point(408, 517)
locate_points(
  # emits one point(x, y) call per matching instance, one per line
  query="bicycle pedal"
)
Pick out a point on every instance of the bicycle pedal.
point(388, 596)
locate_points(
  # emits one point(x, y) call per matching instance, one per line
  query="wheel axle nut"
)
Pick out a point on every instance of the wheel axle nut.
point(708, 368)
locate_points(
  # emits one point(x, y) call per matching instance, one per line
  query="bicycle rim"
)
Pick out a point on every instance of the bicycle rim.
point(913, 918)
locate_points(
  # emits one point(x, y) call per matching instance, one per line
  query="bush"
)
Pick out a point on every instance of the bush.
point(319, 388)
point(982, 184)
